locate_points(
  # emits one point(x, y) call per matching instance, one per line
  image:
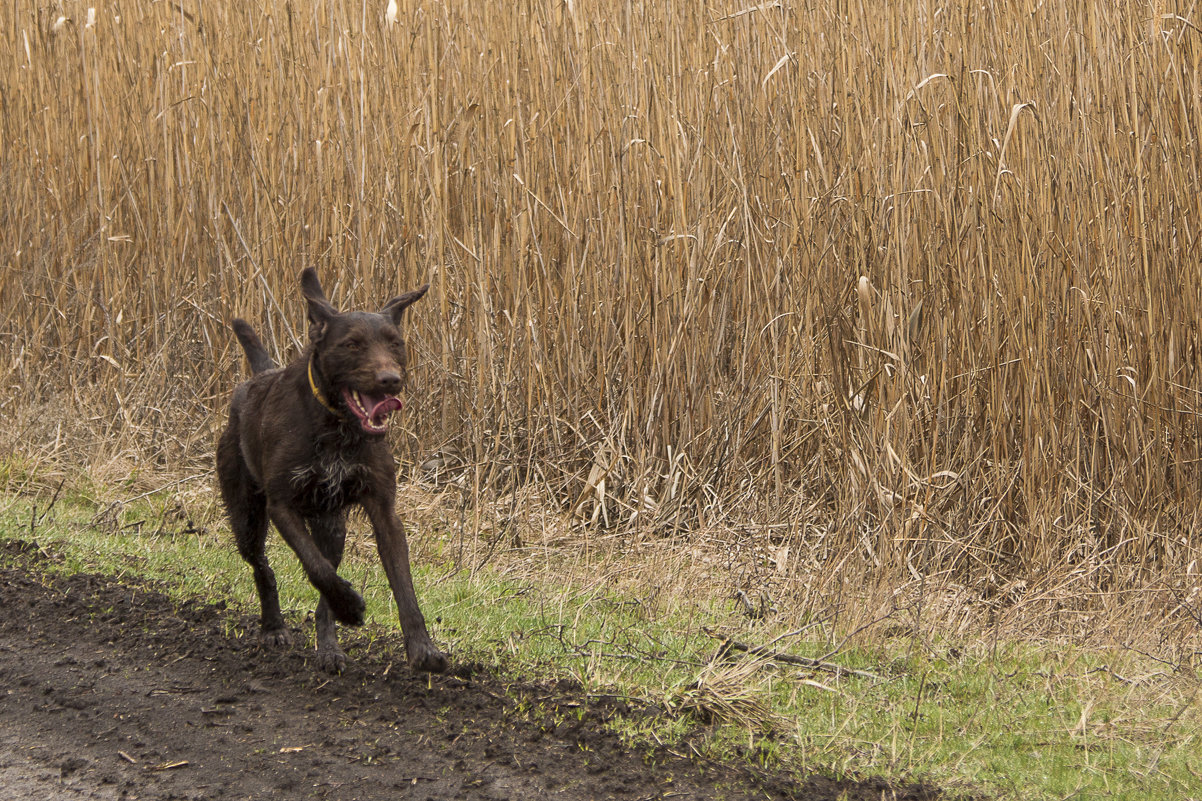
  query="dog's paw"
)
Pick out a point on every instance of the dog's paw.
point(347, 605)
point(331, 660)
point(424, 656)
point(275, 638)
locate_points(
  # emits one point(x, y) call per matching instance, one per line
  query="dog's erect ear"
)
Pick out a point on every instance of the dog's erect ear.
point(395, 308)
point(320, 310)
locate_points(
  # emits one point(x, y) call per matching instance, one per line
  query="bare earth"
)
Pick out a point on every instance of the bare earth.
point(110, 690)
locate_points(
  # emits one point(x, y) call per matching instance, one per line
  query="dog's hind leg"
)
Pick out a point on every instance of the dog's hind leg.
point(252, 545)
point(247, 508)
point(329, 532)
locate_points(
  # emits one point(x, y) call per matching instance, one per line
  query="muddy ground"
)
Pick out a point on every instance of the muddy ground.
point(111, 690)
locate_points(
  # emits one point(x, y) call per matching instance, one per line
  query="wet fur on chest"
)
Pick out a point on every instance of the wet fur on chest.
point(339, 472)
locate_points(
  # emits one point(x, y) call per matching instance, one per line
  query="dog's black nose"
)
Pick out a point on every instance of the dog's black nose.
point(389, 381)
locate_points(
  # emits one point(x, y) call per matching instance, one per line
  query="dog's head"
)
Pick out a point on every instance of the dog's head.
point(360, 356)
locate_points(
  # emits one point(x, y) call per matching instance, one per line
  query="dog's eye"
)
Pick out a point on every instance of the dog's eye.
point(352, 344)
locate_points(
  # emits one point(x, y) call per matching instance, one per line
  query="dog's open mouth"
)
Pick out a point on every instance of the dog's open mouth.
point(372, 410)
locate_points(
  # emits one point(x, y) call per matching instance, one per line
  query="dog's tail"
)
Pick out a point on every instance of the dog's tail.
point(260, 360)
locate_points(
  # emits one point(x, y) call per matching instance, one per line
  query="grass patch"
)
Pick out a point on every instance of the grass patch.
point(1012, 717)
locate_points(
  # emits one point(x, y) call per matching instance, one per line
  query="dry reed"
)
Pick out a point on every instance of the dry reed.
point(913, 284)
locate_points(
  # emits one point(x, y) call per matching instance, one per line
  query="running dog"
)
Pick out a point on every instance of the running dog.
point(306, 441)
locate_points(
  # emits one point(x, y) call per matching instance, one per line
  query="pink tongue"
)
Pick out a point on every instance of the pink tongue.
point(382, 408)
point(372, 409)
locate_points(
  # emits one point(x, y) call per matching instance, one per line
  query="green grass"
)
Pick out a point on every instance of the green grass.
point(1012, 718)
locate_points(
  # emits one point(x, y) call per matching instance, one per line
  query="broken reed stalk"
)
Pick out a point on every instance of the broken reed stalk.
point(728, 646)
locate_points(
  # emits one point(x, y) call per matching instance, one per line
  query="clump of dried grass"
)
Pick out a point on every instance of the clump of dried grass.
point(729, 692)
point(909, 290)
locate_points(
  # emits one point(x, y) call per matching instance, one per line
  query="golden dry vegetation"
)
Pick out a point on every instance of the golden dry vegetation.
point(909, 286)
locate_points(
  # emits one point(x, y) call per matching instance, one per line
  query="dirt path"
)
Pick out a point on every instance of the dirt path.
point(110, 690)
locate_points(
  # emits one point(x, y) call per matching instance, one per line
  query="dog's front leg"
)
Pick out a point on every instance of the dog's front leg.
point(346, 604)
point(394, 553)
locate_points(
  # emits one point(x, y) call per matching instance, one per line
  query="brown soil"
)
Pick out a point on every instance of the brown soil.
point(111, 690)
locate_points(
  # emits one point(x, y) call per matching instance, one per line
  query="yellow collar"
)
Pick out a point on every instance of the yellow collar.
point(317, 393)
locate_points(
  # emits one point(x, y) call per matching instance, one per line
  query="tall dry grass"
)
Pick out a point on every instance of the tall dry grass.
point(914, 284)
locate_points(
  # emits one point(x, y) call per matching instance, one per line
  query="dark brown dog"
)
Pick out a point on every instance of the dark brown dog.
point(306, 441)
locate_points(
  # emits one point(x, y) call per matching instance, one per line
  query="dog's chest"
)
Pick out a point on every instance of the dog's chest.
point(333, 479)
